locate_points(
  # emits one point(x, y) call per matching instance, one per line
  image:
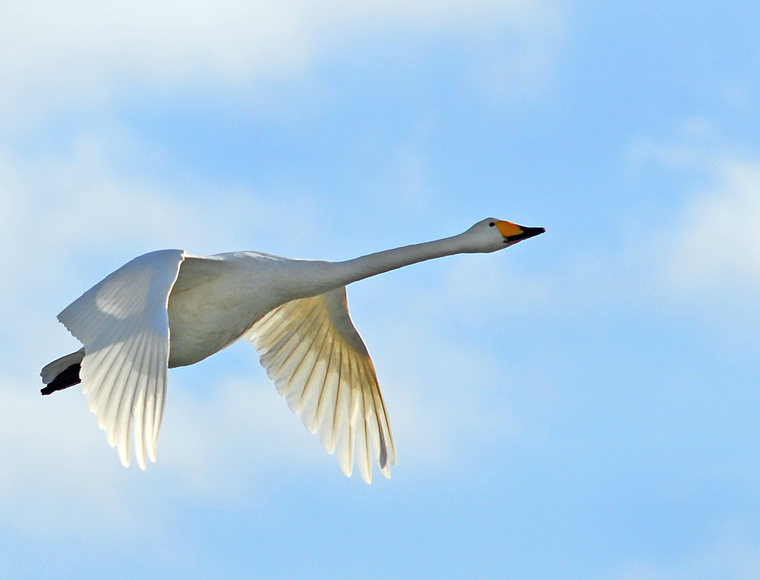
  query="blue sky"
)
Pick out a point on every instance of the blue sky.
point(582, 406)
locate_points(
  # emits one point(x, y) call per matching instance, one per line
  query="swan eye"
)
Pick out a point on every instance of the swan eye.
point(492, 224)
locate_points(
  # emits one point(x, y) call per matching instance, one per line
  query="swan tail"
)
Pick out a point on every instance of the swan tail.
point(62, 373)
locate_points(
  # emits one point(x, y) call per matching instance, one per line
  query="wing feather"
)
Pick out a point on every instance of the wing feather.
point(319, 363)
point(318, 376)
point(304, 365)
point(123, 323)
point(342, 408)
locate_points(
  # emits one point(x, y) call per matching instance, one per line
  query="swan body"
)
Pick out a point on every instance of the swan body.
point(168, 309)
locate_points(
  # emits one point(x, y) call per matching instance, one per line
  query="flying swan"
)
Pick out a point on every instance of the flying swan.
point(169, 309)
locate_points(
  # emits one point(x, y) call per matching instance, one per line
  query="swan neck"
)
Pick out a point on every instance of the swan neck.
point(380, 262)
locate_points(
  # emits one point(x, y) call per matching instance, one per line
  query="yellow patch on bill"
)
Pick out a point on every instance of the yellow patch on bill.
point(508, 229)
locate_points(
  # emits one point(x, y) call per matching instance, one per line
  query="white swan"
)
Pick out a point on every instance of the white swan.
point(169, 309)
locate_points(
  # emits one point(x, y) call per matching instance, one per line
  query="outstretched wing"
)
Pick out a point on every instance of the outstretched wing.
point(123, 324)
point(319, 363)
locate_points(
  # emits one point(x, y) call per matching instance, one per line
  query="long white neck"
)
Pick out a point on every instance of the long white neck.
point(309, 278)
point(379, 262)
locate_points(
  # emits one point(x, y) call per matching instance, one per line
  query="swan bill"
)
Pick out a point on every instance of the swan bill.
point(514, 233)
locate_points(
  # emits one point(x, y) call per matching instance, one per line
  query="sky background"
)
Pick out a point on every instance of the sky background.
point(584, 405)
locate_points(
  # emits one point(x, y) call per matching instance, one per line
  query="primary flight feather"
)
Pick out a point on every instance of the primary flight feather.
point(169, 309)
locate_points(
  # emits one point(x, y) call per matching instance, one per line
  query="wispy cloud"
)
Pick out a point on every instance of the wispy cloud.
point(82, 198)
point(232, 441)
point(80, 53)
point(713, 243)
point(59, 474)
point(717, 245)
point(52, 480)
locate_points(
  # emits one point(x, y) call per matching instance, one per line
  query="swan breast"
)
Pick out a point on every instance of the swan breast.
point(213, 302)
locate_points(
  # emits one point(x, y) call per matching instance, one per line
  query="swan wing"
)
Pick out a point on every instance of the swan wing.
point(319, 363)
point(123, 324)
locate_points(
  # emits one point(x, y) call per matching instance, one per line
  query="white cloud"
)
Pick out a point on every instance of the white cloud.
point(717, 245)
point(236, 434)
point(81, 52)
point(710, 246)
point(54, 207)
point(57, 473)
point(52, 467)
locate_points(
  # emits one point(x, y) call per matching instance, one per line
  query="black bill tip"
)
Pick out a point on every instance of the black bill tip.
point(525, 234)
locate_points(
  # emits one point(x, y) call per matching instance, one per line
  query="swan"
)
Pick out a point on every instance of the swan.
point(169, 309)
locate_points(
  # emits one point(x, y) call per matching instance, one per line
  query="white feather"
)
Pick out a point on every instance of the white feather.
point(318, 361)
point(124, 327)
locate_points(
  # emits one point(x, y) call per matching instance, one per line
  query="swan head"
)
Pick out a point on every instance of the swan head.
point(493, 234)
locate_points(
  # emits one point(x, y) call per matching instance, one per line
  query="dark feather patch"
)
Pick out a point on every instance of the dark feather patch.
point(64, 380)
